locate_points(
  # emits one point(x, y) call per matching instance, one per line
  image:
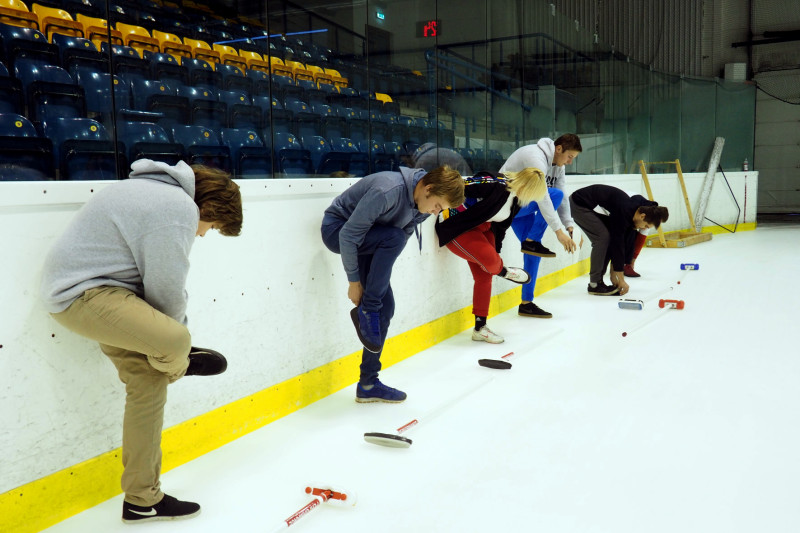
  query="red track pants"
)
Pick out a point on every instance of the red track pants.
point(477, 247)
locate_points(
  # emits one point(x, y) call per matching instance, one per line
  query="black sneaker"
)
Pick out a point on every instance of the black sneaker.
point(536, 248)
point(168, 508)
point(603, 290)
point(533, 310)
point(205, 362)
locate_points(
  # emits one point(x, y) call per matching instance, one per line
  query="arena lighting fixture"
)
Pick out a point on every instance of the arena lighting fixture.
point(271, 36)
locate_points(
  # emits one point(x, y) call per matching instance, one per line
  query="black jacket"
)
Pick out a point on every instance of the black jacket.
point(486, 193)
point(619, 221)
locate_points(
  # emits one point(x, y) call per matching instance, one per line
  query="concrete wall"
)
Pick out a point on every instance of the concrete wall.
point(273, 300)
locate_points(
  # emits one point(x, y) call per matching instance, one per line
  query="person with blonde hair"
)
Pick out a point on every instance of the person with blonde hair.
point(475, 232)
point(117, 275)
point(369, 224)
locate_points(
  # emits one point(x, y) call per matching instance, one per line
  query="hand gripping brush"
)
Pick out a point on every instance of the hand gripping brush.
point(397, 440)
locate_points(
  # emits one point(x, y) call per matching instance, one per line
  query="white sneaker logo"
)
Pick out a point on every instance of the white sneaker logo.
point(151, 512)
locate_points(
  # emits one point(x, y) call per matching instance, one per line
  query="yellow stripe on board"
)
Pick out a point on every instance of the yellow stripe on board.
point(47, 501)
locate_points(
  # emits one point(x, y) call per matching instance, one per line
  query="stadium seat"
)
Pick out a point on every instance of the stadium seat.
point(249, 155)
point(50, 91)
point(169, 43)
point(78, 51)
point(205, 109)
point(97, 89)
point(24, 156)
point(241, 111)
point(126, 61)
point(202, 146)
point(260, 82)
point(11, 95)
point(318, 148)
point(82, 149)
point(26, 43)
point(202, 50)
point(230, 56)
point(159, 97)
point(54, 20)
point(379, 160)
point(201, 73)
point(234, 79)
point(16, 13)
point(344, 156)
point(291, 157)
point(145, 140)
point(138, 38)
point(254, 61)
point(96, 30)
point(165, 67)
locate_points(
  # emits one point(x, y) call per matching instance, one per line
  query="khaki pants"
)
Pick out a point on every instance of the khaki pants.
point(150, 350)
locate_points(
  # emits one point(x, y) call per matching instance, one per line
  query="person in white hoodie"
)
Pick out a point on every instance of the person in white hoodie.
point(117, 275)
point(529, 225)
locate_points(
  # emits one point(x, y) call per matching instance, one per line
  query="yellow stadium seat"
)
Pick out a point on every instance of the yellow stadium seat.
point(277, 66)
point(52, 20)
point(320, 76)
point(337, 78)
point(97, 31)
point(383, 97)
point(255, 61)
point(300, 71)
point(230, 56)
point(171, 44)
point(16, 13)
point(138, 38)
point(202, 50)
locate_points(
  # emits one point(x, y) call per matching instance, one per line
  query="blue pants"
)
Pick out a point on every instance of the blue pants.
point(530, 224)
point(376, 256)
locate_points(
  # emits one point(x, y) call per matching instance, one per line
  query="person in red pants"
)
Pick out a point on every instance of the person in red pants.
point(475, 232)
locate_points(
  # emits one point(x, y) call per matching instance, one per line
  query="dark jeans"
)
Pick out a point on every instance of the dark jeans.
point(376, 256)
point(594, 228)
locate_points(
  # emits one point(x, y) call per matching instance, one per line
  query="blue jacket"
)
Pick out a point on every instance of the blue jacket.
point(385, 199)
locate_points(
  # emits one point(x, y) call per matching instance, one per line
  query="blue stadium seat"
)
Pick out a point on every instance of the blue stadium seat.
point(259, 81)
point(97, 89)
point(82, 149)
point(234, 79)
point(318, 147)
point(204, 106)
point(285, 87)
point(79, 52)
point(125, 61)
point(345, 156)
point(201, 73)
point(379, 159)
point(50, 90)
point(276, 118)
point(147, 140)
point(159, 97)
point(241, 111)
point(24, 156)
point(395, 150)
point(290, 156)
point(11, 95)
point(249, 155)
point(165, 67)
point(26, 43)
point(202, 146)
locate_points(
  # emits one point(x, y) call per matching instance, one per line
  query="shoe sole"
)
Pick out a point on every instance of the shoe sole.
point(376, 400)
point(604, 293)
point(368, 345)
point(534, 316)
point(632, 276)
point(481, 339)
point(161, 518)
point(538, 254)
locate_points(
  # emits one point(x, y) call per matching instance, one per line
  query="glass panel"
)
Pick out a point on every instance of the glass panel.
point(284, 90)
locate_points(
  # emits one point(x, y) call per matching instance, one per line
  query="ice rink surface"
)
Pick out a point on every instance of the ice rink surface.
point(689, 424)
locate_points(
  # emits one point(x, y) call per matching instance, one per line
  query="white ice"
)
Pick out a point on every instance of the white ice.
point(690, 424)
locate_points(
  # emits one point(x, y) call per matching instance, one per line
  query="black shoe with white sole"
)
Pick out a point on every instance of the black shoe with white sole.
point(205, 362)
point(536, 248)
point(603, 290)
point(168, 508)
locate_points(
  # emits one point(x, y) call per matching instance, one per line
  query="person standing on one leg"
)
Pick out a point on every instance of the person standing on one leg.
point(530, 224)
point(369, 225)
point(476, 230)
point(608, 233)
point(117, 276)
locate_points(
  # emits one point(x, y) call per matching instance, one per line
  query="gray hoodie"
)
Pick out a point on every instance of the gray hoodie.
point(383, 198)
point(540, 155)
point(136, 234)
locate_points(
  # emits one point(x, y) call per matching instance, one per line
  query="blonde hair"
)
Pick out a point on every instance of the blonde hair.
point(528, 185)
point(445, 183)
